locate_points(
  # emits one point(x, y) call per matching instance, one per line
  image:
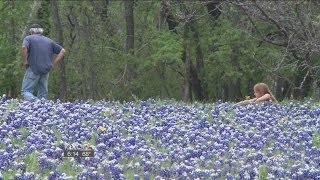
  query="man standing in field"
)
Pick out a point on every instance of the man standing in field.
point(37, 59)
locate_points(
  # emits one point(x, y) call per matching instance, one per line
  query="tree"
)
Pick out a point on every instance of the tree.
point(187, 50)
point(16, 20)
point(292, 25)
point(129, 17)
point(62, 91)
point(194, 75)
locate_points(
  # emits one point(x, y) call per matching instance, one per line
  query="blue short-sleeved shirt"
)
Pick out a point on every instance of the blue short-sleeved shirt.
point(40, 52)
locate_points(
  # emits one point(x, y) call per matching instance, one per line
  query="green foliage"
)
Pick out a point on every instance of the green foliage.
point(96, 58)
point(166, 48)
point(68, 168)
point(164, 57)
point(229, 58)
point(31, 160)
point(13, 13)
point(316, 139)
point(263, 172)
point(11, 107)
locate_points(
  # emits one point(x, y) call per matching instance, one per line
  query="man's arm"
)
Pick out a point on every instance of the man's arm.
point(58, 58)
point(24, 55)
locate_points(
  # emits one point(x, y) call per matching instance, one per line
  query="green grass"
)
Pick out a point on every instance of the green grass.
point(24, 132)
point(155, 145)
point(93, 139)
point(57, 134)
point(32, 165)
point(232, 144)
point(68, 168)
point(130, 171)
point(263, 172)
point(17, 142)
point(268, 145)
point(129, 174)
point(31, 160)
point(9, 174)
point(166, 164)
point(2, 146)
point(316, 139)
point(12, 106)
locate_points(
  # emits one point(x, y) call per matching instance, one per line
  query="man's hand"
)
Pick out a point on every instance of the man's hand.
point(59, 57)
point(24, 54)
point(25, 65)
point(53, 66)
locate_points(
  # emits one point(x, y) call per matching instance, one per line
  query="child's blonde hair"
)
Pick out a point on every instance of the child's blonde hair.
point(264, 89)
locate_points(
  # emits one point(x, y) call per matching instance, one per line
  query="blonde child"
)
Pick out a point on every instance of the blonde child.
point(262, 93)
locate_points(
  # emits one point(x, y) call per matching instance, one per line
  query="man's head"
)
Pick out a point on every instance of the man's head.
point(36, 29)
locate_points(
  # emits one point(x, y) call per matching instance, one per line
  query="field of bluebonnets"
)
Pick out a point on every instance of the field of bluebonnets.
point(159, 139)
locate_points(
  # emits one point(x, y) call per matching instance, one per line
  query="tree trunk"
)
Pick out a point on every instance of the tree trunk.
point(199, 83)
point(282, 89)
point(62, 91)
point(303, 83)
point(187, 95)
point(92, 84)
point(231, 91)
point(129, 16)
point(83, 63)
point(213, 8)
point(164, 91)
point(101, 8)
point(12, 89)
point(193, 74)
point(44, 16)
point(171, 21)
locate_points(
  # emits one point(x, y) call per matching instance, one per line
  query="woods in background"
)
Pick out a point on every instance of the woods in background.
point(187, 50)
